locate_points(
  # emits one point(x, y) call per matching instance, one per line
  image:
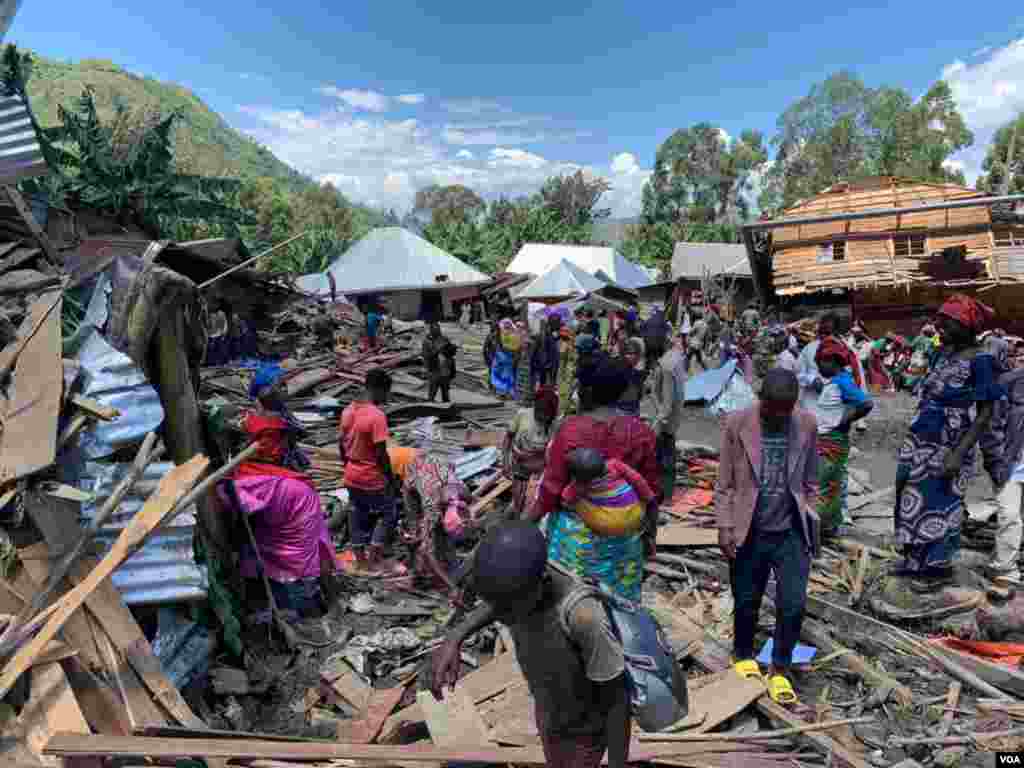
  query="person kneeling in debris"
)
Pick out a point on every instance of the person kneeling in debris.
point(574, 665)
point(286, 516)
point(435, 504)
point(764, 502)
point(369, 478)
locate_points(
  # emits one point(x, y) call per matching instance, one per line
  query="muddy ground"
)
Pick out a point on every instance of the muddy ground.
point(293, 707)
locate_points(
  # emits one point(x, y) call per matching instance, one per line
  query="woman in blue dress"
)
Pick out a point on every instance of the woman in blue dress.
point(937, 457)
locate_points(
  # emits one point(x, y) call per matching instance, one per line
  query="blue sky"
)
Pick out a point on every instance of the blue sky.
point(385, 97)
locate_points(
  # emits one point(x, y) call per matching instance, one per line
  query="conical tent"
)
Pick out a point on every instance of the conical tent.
point(392, 259)
point(537, 258)
point(560, 280)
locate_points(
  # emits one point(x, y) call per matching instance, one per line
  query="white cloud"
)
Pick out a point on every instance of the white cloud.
point(383, 162)
point(411, 98)
point(624, 163)
point(989, 93)
point(515, 158)
point(472, 106)
point(370, 101)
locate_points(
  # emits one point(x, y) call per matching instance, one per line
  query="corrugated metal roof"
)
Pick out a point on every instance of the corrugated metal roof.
point(690, 259)
point(601, 261)
point(164, 570)
point(20, 153)
point(392, 259)
point(562, 279)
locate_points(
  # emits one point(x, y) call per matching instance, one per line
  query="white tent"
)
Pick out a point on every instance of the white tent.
point(393, 259)
point(561, 280)
point(601, 261)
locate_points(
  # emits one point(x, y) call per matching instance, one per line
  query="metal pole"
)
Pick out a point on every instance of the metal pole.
point(247, 262)
point(970, 202)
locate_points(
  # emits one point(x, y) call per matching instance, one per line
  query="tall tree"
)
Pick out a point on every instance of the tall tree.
point(575, 198)
point(843, 130)
point(442, 204)
point(702, 176)
point(1003, 165)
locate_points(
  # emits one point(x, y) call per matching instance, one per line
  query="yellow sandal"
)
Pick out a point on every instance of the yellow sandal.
point(748, 670)
point(781, 690)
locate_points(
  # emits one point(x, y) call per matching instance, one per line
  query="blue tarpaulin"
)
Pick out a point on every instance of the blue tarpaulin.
point(706, 386)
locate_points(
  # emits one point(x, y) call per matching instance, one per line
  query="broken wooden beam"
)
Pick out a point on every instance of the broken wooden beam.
point(172, 488)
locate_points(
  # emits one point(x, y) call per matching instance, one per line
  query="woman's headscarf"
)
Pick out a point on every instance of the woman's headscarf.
point(546, 399)
point(506, 324)
point(969, 312)
point(266, 376)
point(830, 347)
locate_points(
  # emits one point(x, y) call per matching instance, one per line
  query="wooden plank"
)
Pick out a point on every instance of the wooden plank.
point(101, 705)
point(380, 706)
point(94, 408)
point(173, 487)
point(479, 685)
point(165, 748)
point(135, 666)
point(713, 657)
point(33, 226)
point(687, 536)
point(454, 722)
point(76, 631)
point(51, 708)
point(479, 506)
point(726, 697)
point(952, 699)
point(352, 689)
point(29, 441)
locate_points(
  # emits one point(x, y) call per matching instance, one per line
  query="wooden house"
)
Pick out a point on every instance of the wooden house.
point(885, 242)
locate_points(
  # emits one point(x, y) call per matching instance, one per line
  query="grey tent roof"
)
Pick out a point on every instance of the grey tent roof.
point(561, 279)
point(537, 258)
point(690, 259)
point(392, 259)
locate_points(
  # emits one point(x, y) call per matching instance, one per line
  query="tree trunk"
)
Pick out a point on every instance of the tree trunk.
point(183, 431)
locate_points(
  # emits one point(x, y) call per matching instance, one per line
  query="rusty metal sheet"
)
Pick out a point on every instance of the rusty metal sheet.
point(29, 441)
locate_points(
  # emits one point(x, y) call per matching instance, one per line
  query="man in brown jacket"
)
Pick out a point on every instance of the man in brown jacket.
point(765, 501)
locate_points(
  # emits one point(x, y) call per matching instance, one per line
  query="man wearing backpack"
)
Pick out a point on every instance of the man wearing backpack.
point(574, 664)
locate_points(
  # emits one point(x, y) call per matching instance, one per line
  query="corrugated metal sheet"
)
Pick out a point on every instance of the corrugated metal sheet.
point(537, 258)
point(164, 570)
point(690, 259)
point(20, 153)
point(392, 259)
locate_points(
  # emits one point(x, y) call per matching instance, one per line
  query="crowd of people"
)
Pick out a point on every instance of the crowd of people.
point(591, 456)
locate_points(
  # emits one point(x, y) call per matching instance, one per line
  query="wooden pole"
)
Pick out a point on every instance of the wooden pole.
point(247, 262)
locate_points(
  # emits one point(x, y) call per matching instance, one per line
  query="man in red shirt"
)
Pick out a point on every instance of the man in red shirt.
point(371, 484)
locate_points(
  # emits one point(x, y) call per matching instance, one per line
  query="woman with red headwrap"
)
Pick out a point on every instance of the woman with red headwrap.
point(525, 444)
point(840, 404)
point(937, 455)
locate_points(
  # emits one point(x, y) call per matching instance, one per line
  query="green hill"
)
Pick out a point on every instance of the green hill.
point(204, 143)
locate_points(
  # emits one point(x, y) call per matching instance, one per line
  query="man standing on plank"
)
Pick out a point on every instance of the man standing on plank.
point(765, 504)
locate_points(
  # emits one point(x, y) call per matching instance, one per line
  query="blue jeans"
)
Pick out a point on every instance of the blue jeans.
point(761, 554)
point(373, 517)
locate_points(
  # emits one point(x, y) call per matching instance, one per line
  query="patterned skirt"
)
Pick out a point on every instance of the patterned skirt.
point(617, 561)
point(833, 478)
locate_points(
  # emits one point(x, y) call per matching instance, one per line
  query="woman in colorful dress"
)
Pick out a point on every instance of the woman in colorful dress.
point(525, 444)
point(615, 558)
point(566, 369)
point(922, 349)
point(840, 404)
point(937, 457)
point(503, 361)
point(436, 518)
point(275, 491)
